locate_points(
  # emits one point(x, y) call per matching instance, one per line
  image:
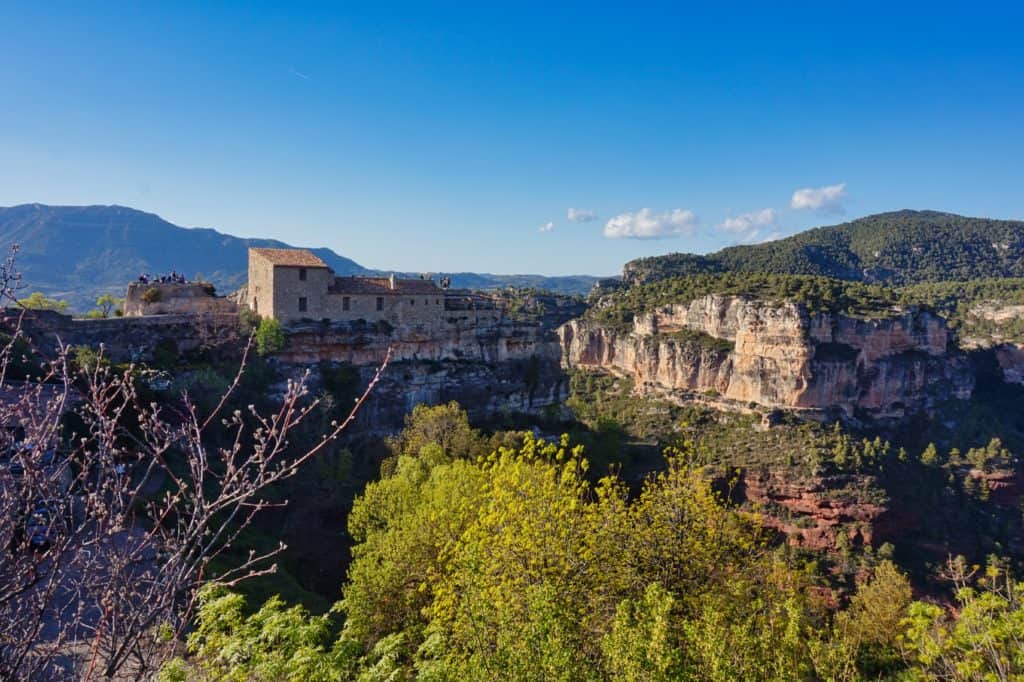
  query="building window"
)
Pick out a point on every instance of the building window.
point(412, 301)
point(346, 302)
point(437, 301)
point(302, 274)
point(302, 304)
point(380, 303)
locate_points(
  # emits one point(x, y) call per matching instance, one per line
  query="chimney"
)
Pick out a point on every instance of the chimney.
point(391, 281)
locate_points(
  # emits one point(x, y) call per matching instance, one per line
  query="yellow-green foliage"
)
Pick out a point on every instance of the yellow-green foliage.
point(274, 644)
point(985, 641)
point(39, 301)
point(515, 565)
point(269, 336)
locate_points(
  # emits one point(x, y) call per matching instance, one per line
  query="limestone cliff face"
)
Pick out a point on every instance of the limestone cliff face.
point(1010, 357)
point(782, 357)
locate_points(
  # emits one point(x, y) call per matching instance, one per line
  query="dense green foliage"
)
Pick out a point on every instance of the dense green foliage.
point(517, 565)
point(978, 309)
point(901, 247)
point(38, 301)
point(817, 294)
point(269, 336)
point(106, 305)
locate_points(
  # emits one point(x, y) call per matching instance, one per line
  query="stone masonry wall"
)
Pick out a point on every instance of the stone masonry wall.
point(123, 338)
point(172, 299)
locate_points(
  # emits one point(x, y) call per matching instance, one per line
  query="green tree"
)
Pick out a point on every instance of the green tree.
point(107, 304)
point(444, 426)
point(641, 644)
point(930, 455)
point(869, 629)
point(983, 640)
point(275, 643)
point(269, 336)
point(39, 301)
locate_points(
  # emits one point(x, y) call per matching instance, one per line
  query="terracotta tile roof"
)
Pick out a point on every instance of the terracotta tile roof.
point(382, 285)
point(291, 257)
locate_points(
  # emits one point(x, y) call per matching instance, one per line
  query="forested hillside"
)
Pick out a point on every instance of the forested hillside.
point(901, 247)
point(507, 557)
point(984, 309)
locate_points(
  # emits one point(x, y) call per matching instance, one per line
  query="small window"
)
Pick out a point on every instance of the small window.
point(302, 304)
point(302, 274)
point(437, 301)
point(412, 301)
point(346, 303)
point(380, 303)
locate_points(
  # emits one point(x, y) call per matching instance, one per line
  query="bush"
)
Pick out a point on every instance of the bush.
point(165, 353)
point(22, 362)
point(270, 337)
point(151, 295)
point(248, 321)
point(88, 358)
point(108, 304)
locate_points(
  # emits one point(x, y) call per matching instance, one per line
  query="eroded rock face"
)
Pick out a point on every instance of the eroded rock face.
point(1010, 357)
point(782, 357)
point(487, 363)
point(814, 513)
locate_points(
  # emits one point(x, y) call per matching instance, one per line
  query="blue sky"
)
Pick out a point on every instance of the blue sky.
point(431, 137)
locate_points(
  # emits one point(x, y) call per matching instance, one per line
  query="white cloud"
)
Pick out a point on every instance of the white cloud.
point(581, 215)
point(646, 224)
point(547, 227)
point(820, 198)
point(748, 222)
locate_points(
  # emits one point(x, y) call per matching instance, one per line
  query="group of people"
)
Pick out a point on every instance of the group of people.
point(172, 278)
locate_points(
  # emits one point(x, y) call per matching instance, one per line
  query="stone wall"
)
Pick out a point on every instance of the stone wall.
point(123, 338)
point(288, 288)
point(259, 289)
point(175, 299)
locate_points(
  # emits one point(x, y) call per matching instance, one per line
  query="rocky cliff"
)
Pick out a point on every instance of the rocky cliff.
point(489, 364)
point(775, 355)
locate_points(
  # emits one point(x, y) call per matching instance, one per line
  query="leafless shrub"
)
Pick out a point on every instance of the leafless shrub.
point(114, 512)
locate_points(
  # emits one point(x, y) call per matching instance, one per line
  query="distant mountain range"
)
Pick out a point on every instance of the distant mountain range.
point(77, 253)
point(897, 248)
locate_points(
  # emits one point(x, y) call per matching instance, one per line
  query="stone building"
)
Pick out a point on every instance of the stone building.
point(294, 285)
